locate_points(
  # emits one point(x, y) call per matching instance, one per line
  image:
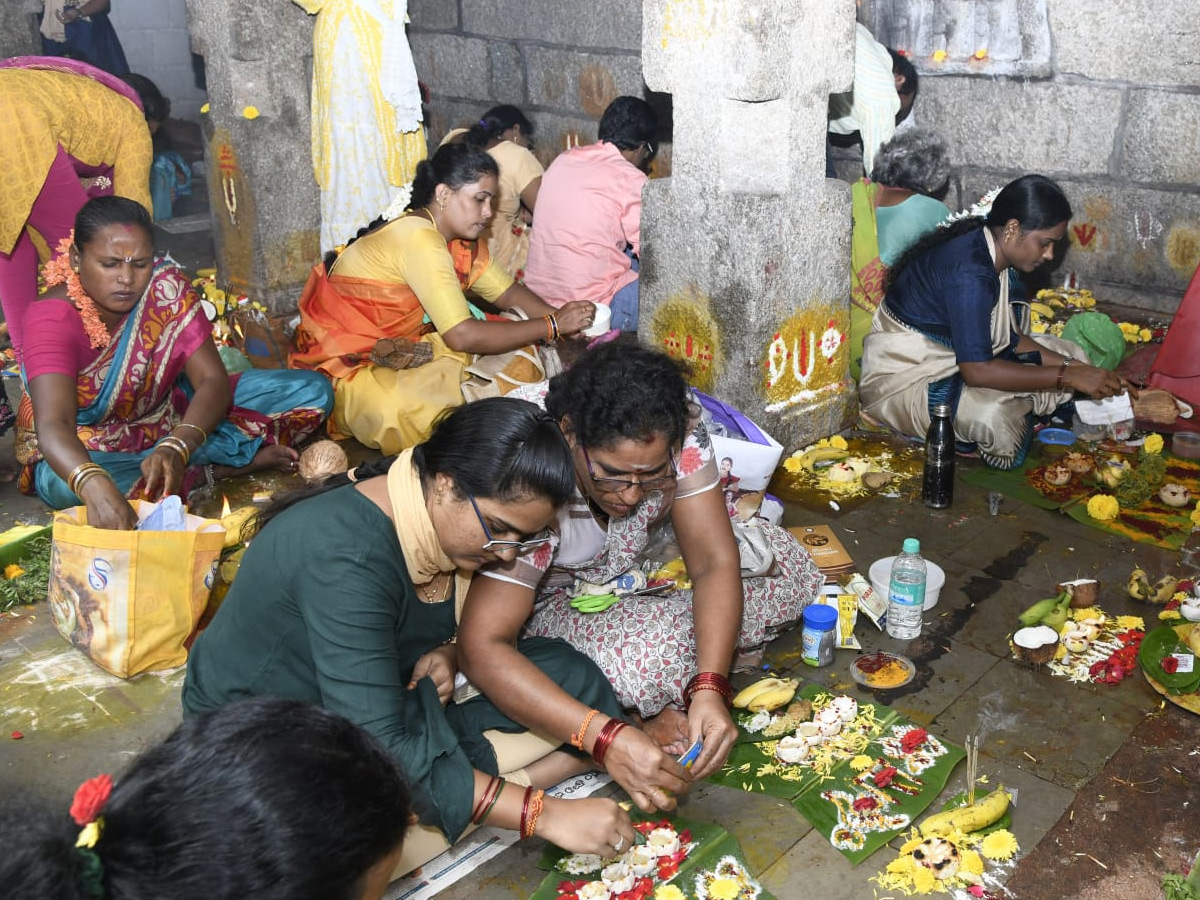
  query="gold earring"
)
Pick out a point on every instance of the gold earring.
point(441, 204)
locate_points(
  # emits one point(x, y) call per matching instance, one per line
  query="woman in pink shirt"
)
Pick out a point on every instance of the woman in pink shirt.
point(587, 228)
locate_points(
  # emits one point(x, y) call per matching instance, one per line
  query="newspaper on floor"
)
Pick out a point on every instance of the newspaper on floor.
point(481, 845)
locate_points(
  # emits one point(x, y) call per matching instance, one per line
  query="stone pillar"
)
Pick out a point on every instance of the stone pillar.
point(745, 272)
point(264, 199)
point(18, 28)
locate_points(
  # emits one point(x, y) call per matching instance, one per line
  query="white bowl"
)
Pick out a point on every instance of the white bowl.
point(935, 579)
point(600, 324)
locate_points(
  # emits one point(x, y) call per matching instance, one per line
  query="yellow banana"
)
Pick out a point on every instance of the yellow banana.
point(773, 699)
point(809, 459)
point(966, 819)
point(1138, 586)
point(1193, 639)
point(1164, 589)
point(768, 689)
point(1042, 309)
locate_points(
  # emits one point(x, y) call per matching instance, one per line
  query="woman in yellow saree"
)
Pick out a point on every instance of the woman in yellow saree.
point(405, 282)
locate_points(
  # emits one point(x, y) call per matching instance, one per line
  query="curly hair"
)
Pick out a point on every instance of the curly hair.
point(916, 160)
point(622, 392)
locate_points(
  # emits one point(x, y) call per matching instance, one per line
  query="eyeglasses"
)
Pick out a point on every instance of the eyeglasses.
point(620, 485)
point(501, 546)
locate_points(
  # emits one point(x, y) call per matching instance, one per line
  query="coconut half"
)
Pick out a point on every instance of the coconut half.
point(1084, 592)
point(1175, 495)
point(1037, 644)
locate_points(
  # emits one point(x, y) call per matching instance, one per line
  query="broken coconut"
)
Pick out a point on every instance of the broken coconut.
point(1084, 592)
point(1036, 645)
point(876, 480)
point(1175, 495)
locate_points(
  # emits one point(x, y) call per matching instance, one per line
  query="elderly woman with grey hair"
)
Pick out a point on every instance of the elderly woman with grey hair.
point(892, 211)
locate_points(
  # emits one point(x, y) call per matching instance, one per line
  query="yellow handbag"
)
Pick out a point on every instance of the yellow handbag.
point(131, 599)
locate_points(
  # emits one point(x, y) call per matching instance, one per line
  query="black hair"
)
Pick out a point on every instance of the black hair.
point(452, 165)
point(154, 104)
point(494, 123)
point(622, 392)
point(331, 257)
point(915, 159)
point(265, 798)
point(902, 66)
point(501, 448)
point(628, 123)
point(1034, 201)
point(100, 212)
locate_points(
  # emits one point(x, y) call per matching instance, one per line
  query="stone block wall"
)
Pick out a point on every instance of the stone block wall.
point(562, 66)
point(154, 34)
point(1112, 113)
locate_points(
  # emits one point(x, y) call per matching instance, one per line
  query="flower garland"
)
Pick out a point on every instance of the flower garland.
point(58, 270)
point(86, 807)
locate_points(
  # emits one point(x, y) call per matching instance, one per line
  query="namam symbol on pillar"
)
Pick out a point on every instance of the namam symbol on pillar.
point(228, 166)
point(806, 358)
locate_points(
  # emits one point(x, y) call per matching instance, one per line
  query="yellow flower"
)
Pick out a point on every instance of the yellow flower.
point(1039, 327)
point(981, 53)
point(669, 892)
point(1153, 444)
point(971, 863)
point(90, 833)
point(1145, 334)
point(939, 55)
point(924, 880)
point(13, 571)
point(1127, 623)
point(204, 109)
point(902, 865)
point(1180, 596)
point(1103, 507)
point(1169, 615)
point(724, 889)
point(1061, 650)
point(250, 112)
point(910, 846)
point(1194, 515)
point(1089, 613)
point(1000, 844)
point(861, 763)
point(792, 465)
point(838, 442)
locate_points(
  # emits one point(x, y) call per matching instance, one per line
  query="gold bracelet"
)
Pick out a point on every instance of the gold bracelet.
point(79, 472)
point(203, 433)
point(174, 443)
point(88, 476)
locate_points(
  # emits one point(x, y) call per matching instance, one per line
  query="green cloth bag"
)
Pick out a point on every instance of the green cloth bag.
point(1099, 336)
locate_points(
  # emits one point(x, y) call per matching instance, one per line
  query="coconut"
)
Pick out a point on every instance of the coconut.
point(791, 749)
point(1056, 475)
point(841, 473)
point(322, 459)
point(1076, 638)
point(1079, 463)
point(1175, 495)
point(939, 856)
point(1084, 592)
point(1036, 645)
point(876, 480)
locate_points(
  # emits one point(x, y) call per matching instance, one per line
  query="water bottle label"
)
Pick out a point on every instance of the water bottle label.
point(907, 594)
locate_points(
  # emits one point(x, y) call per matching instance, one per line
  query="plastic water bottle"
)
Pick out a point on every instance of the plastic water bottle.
point(906, 593)
point(937, 487)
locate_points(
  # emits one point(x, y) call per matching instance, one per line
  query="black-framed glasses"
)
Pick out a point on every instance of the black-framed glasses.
point(500, 546)
point(620, 485)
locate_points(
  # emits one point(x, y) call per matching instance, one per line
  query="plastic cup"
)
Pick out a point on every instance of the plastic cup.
point(599, 324)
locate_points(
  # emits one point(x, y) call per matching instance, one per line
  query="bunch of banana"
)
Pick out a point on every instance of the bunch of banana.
point(966, 819)
point(1042, 309)
point(768, 694)
point(809, 459)
point(1140, 588)
point(1052, 611)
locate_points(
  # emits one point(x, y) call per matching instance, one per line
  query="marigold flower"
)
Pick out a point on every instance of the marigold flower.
point(1103, 507)
point(1089, 612)
point(838, 442)
point(1128, 623)
point(861, 763)
point(1153, 444)
point(792, 465)
point(999, 845)
point(12, 571)
point(204, 109)
point(1169, 615)
point(250, 112)
point(669, 892)
point(939, 55)
point(970, 864)
point(724, 889)
point(924, 880)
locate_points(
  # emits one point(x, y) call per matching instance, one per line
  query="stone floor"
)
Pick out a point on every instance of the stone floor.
point(1107, 778)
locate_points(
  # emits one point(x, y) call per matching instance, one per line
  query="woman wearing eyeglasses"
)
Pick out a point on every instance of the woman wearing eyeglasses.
point(641, 459)
point(347, 599)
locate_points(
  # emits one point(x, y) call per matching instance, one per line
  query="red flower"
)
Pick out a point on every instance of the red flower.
point(685, 836)
point(90, 799)
point(1187, 585)
point(16, 735)
point(884, 776)
point(866, 802)
point(1170, 665)
point(913, 739)
point(668, 869)
point(565, 887)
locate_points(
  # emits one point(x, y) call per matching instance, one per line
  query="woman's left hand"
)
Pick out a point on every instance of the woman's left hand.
point(709, 721)
point(163, 472)
point(440, 665)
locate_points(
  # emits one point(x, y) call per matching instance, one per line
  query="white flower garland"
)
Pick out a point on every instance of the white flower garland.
point(399, 204)
point(977, 210)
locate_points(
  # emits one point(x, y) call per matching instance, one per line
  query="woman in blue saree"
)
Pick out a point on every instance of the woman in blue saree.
point(129, 396)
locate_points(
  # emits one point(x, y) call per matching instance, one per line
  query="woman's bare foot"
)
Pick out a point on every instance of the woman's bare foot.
point(668, 729)
point(269, 456)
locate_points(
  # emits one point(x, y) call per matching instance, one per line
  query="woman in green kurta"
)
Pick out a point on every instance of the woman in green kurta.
point(347, 600)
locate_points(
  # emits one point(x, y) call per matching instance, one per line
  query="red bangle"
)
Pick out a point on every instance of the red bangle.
point(494, 784)
point(524, 811)
point(604, 740)
point(577, 736)
point(708, 681)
